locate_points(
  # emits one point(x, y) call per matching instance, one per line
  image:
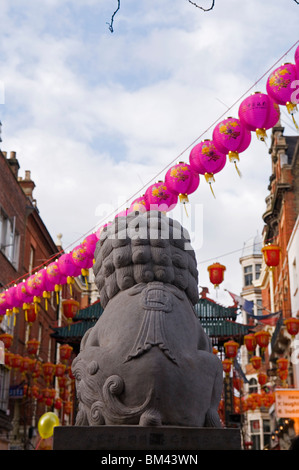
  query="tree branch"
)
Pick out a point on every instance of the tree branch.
point(207, 9)
point(112, 18)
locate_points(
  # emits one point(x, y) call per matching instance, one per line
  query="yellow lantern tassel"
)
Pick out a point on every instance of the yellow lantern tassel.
point(36, 301)
point(210, 179)
point(85, 273)
point(183, 198)
point(261, 135)
point(234, 157)
point(292, 107)
point(70, 281)
point(58, 288)
point(46, 296)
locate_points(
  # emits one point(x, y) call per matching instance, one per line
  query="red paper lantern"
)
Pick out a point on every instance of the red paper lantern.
point(35, 391)
point(26, 363)
point(182, 180)
point(256, 362)
point(262, 378)
point(271, 255)
point(37, 370)
point(62, 382)
point(32, 346)
point(70, 308)
point(6, 338)
point(8, 358)
point(262, 338)
point(227, 364)
point(231, 349)
point(216, 273)
point(58, 403)
point(282, 363)
point(48, 370)
point(16, 361)
point(30, 312)
point(68, 407)
point(283, 375)
point(292, 325)
point(60, 370)
point(250, 342)
point(65, 352)
point(258, 112)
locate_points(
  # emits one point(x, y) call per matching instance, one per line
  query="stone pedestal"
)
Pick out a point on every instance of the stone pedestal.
point(163, 438)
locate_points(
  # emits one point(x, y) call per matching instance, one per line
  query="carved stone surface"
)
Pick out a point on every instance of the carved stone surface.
point(147, 360)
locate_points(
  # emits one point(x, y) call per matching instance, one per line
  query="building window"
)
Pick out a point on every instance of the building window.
point(4, 388)
point(248, 275)
point(259, 306)
point(257, 270)
point(9, 239)
point(253, 388)
point(31, 259)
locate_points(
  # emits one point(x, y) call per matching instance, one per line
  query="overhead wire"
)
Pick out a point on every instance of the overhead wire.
point(139, 192)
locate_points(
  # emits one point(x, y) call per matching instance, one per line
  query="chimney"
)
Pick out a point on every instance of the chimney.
point(27, 185)
point(13, 163)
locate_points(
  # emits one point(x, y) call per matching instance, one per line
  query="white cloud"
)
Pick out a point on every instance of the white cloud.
point(96, 115)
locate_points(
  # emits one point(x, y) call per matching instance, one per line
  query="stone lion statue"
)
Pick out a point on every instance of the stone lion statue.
point(147, 360)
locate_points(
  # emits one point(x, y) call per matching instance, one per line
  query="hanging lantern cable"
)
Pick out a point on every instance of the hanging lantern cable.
point(179, 156)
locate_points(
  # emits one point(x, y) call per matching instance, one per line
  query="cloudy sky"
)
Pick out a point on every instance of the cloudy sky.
point(98, 116)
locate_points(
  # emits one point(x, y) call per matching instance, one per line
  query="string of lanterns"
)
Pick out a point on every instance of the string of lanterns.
point(30, 366)
point(257, 113)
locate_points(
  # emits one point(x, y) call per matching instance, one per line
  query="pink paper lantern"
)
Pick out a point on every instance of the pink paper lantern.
point(3, 303)
point(297, 59)
point(43, 282)
point(101, 229)
point(34, 285)
point(259, 112)
point(81, 258)
point(207, 160)
point(67, 267)
point(122, 213)
point(159, 198)
point(281, 87)
point(23, 293)
point(181, 180)
point(138, 205)
point(90, 243)
point(231, 137)
point(54, 275)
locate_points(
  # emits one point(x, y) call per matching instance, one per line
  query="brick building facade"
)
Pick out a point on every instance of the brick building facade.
point(25, 245)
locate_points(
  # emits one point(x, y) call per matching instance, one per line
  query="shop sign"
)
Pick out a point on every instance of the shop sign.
point(287, 403)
